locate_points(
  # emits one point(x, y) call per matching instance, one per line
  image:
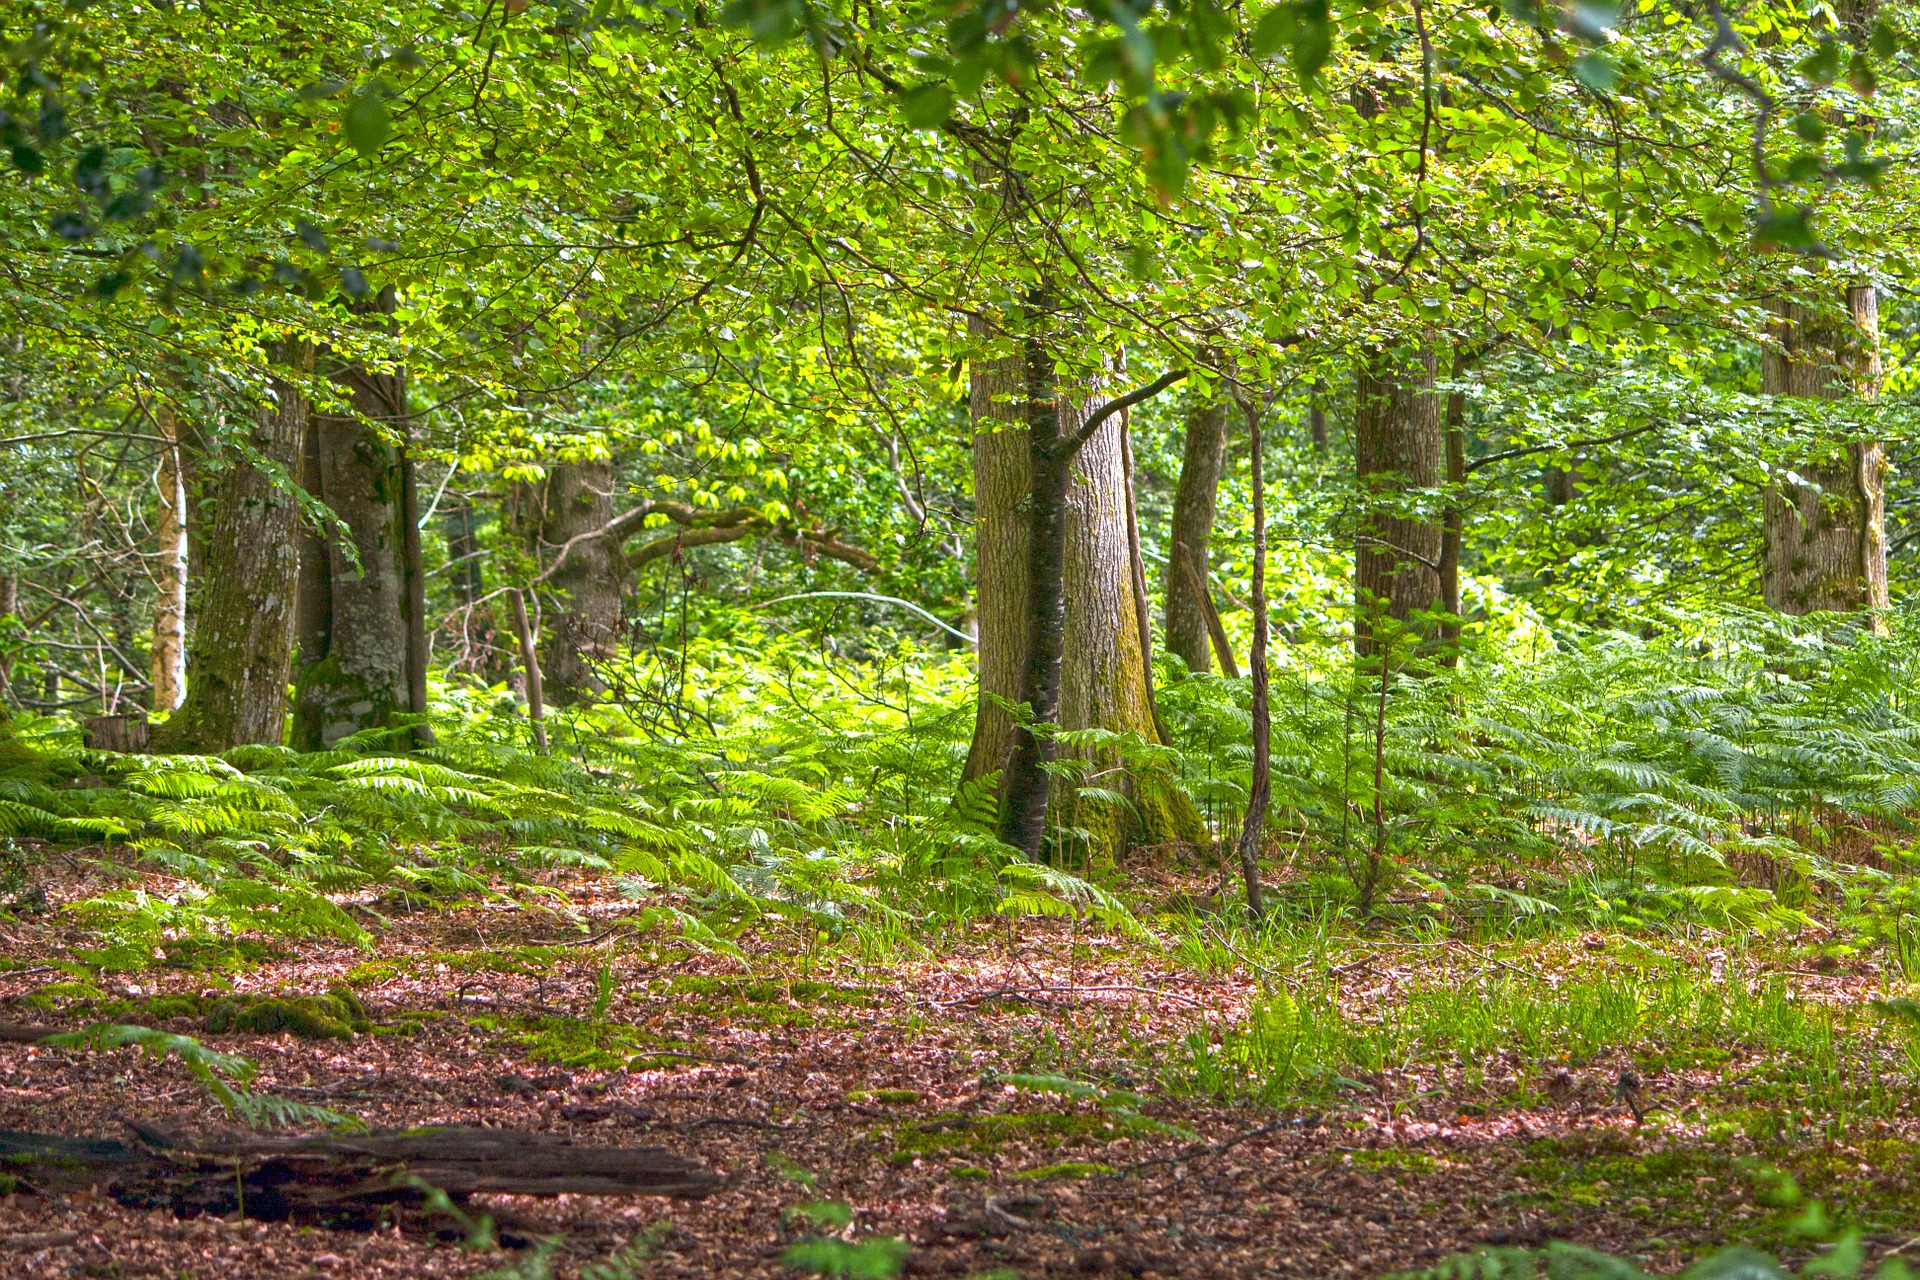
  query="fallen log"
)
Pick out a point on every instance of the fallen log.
point(355, 1181)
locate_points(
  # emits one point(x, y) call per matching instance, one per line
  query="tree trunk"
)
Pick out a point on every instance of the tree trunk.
point(355, 672)
point(243, 635)
point(170, 568)
point(591, 581)
point(1453, 518)
point(1058, 626)
point(1260, 788)
point(1317, 418)
point(1002, 475)
point(1103, 670)
point(1825, 540)
point(1191, 530)
point(9, 609)
point(1398, 447)
point(413, 562)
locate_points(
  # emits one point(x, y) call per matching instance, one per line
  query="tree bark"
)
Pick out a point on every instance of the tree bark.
point(243, 637)
point(1137, 579)
point(530, 661)
point(1078, 602)
point(355, 673)
point(170, 568)
point(1398, 447)
point(591, 581)
point(1260, 788)
point(9, 609)
point(1453, 518)
point(413, 562)
point(1825, 546)
point(1194, 501)
point(1002, 476)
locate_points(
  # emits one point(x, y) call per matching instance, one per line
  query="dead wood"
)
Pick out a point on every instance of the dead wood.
point(342, 1181)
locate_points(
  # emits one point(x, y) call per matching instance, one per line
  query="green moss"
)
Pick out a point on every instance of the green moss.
point(515, 961)
point(980, 1135)
point(1393, 1160)
point(886, 1097)
point(8, 1184)
point(1072, 1169)
point(588, 1046)
point(174, 1007)
point(334, 1016)
point(971, 1172)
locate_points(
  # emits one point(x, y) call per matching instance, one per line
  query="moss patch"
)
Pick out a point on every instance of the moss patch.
point(885, 1097)
point(334, 1016)
point(1072, 1169)
point(588, 1046)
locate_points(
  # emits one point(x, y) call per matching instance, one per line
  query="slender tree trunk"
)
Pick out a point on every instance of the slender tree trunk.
point(170, 568)
point(1259, 790)
point(412, 560)
point(1317, 418)
point(1825, 540)
point(9, 610)
point(591, 582)
point(243, 634)
point(530, 660)
point(355, 642)
point(1398, 445)
point(1201, 464)
point(1453, 519)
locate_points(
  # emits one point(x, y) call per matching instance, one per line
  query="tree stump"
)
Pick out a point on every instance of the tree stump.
point(125, 734)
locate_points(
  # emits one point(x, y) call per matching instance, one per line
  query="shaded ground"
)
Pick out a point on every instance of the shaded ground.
point(884, 1087)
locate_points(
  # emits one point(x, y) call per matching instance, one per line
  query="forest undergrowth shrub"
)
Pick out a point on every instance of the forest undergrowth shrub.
point(1309, 1044)
point(1610, 780)
point(1716, 773)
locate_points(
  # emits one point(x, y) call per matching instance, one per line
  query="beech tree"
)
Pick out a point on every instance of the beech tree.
point(1824, 526)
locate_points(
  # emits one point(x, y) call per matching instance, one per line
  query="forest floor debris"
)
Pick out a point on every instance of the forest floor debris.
point(1032, 1112)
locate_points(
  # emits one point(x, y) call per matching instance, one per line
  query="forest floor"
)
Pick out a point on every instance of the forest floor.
point(882, 1084)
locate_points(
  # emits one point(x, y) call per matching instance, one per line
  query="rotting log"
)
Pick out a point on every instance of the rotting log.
point(347, 1181)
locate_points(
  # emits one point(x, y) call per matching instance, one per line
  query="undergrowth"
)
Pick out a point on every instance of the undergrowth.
point(1732, 772)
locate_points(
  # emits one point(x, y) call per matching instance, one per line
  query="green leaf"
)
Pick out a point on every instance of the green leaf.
point(1785, 229)
point(1275, 29)
point(1594, 70)
point(366, 122)
point(1809, 127)
point(927, 106)
point(1314, 40)
point(1860, 76)
point(1822, 66)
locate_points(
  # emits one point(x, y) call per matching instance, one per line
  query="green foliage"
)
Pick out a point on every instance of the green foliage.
point(224, 1075)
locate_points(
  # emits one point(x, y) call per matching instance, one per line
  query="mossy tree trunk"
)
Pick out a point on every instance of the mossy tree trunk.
point(1191, 531)
point(1096, 677)
point(1825, 545)
point(356, 601)
point(1398, 448)
point(590, 582)
point(243, 634)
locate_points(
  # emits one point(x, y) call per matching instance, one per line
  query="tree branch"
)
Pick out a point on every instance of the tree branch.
point(1099, 416)
point(1506, 454)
